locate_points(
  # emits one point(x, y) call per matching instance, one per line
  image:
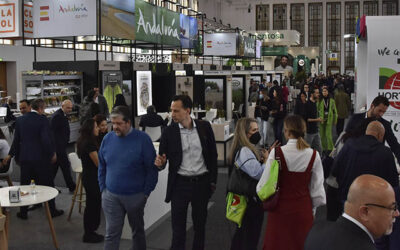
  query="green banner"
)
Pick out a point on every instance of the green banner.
point(274, 51)
point(156, 25)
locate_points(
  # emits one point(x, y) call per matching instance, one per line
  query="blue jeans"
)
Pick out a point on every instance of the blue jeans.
point(115, 207)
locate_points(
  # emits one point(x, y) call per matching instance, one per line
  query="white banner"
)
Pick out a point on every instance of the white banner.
point(143, 91)
point(383, 65)
point(56, 18)
point(220, 44)
point(28, 19)
point(10, 18)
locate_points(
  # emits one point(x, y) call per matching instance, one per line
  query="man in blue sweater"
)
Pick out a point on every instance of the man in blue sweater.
point(127, 176)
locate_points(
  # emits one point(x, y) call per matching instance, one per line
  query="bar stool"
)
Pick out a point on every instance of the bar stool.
point(76, 166)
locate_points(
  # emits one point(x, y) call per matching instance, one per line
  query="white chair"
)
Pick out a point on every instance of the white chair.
point(210, 115)
point(7, 175)
point(153, 132)
point(76, 166)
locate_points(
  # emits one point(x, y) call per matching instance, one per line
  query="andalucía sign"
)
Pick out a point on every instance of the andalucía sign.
point(156, 25)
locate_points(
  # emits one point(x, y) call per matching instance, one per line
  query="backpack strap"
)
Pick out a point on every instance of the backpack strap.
point(280, 158)
point(311, 163)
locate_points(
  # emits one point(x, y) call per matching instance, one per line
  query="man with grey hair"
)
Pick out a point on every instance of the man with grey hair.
point(127, 176)
point(60, 128)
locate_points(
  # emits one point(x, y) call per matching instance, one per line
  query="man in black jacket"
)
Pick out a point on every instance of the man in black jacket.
point(370, 211)
point(151, 119)
point(60, 128)
point(377, 109)
point(189, 145)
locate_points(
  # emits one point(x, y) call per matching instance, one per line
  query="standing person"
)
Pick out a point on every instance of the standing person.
point(261, 112)
point(60, 127)
point(343, 105)
point(275, 85)
point(301, 106)
point(35, 152)
point(101, 100)
point(301, 189)
point(285, 92)
point(248, 158)
point(278, 112)
point(101, 122)
point(24, 106)
point(87, 147)
point(313, 118)
point(127, 176)
point(306, 89)
point(328, 114)
point(190, 147)
point(120, 101)
point(369, 213)
point(377, 109)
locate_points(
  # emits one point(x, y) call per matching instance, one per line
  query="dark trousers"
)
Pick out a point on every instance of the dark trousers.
point(278, 126)
point(197, 193)
point(334, 207)
point(91, 216)
point(247, 236)
point(339, 126)
point(41, 172)
point(65, 165)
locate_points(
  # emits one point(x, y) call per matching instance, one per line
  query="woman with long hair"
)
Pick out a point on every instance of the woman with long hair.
point(278, 113)
point(101, 121)
point(250, 160)
point(301, 189)
point(120, 101)
point(87, 147)
point(328, 113)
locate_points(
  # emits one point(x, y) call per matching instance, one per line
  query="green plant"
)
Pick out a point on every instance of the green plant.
point(220, 113)
point(246, 63)
point(230, 62)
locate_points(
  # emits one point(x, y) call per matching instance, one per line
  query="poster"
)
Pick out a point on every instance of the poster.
point(58, 18)
point(383, 66)
point(237, 92)
point(249, 47)
point(143, 91)
point(220, 44)
point(188, 31)
point(10, 18)
point(184, 86)
point(118, 18)
point(214, 93)
point(258, 48)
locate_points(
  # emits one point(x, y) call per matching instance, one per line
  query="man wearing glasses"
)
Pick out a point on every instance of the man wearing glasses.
point(369, 213)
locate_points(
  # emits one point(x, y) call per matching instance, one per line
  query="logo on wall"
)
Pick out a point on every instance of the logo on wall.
point(44, 13)
point(209, 44)
point(7, 18)
point(389, 86)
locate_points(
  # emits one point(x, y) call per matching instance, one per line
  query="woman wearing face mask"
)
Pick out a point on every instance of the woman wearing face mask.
point(328, 113)
point(301, 189)
point(249, 159)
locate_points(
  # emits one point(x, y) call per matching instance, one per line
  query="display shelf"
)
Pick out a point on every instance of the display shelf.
point(63, 87)
point(47, 96)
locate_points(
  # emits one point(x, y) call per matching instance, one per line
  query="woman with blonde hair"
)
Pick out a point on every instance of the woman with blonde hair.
point(251, 161)
point(301, 189)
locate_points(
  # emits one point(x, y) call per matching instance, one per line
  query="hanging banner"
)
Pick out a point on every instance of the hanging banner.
point(143, 91)
point(10, 18)
point(156, 25)
point(189, 32)
point(249, 47)
point(220, 44)
point(258, 48)
point(118, 18)
point(58, 18)
point(28, 19)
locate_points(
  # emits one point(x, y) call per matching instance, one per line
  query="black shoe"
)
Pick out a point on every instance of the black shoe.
point(93, 238)
point(22, 216)
point(34, 207)
point(56, 213)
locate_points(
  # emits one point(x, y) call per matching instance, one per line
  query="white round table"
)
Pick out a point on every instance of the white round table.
point(43, 195)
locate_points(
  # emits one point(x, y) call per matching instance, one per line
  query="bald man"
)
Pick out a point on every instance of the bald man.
point(369, 213)
point(365, 155)
point(60, 128)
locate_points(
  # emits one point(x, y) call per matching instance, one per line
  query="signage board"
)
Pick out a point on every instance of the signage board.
point(188, 31)
point(118, 18)
point(249, 47)
point(137, 66)
point(278, 37)
point(59, 18)
point(143, 91)
point(156, 25)
point(220, 44)
point(109, 65)
point(28, 19)
point(258, 48)
point(178, 66)
point(10, 18)
point(274, 51)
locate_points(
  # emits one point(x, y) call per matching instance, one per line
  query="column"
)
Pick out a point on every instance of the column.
point(271, 17)
point(380, 8)
point(342, 45)
point(361, 8)
point(324, 37)
point(305, 24)
point(288, 14)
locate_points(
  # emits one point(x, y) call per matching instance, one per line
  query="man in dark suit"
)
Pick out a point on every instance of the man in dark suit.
point(190, 147)
point(370, 211)
point(377, 109)
point(60, 128)
point(151, 119)
point(34, 151)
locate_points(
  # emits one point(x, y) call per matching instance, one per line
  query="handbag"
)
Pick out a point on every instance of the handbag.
point(236, 206)
point(270, 190)
point(241, 183)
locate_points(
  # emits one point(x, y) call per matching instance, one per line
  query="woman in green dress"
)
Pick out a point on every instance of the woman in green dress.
point(327, 111)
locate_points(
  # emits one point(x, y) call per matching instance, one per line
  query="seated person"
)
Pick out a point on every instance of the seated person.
point(151, 119)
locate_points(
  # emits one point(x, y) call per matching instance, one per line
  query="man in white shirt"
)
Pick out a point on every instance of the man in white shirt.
point(369, 213)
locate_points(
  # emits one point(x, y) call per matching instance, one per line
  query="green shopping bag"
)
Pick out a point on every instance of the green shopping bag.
point(268, 184)
point(235, 207)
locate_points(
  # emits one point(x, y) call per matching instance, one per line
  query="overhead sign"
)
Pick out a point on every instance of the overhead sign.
point(274, 51)
point(278, 37)
point(118, 18)
point(58, 18)
point(156, 25)
point(28, 19)
point(109, 65)
point(249, 47)
point(220, 44)
point(9, 18)
point(188, 31)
